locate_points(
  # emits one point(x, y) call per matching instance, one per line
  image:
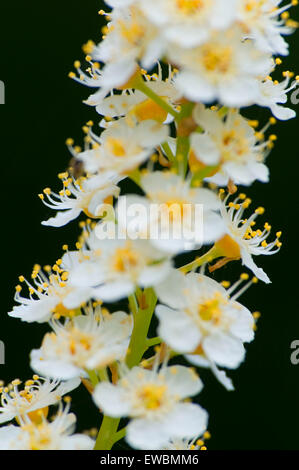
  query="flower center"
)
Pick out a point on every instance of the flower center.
point(148, 109)
point(217, 58)
point(152, 396)
point(189, 7)
point(116, 147)
point(124, 259)
point(211, 309)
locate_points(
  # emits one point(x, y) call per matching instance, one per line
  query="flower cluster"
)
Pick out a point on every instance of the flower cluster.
point(172, 81)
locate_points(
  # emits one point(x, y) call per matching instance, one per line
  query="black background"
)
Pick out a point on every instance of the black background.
point(39, 42)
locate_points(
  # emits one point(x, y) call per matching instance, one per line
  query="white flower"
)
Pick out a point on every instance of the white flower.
point(241, 239)
point(54, 435)
point(230, 144)
point(123, 146)
point(49, 294)
point(171, 228)
point(129, 37)
point(273, 94)
point(224, 69)
point(82, 195)
point(153, 399)
point(35, 397)
point(188, 23)
point(134, 103)
point(263, 23)
point(185, 444)
point(199, 317)
point(87, 342)
point(114, 267)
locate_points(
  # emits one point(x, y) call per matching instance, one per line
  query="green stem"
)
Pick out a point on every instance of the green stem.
point(93, 377)
point(119, 435)
point(168, 152)
point(103, 374)
point(107, 433)
point(206, 258)
point(142, 321)
point(153, 341)
point(182, 152)
point(141, 86)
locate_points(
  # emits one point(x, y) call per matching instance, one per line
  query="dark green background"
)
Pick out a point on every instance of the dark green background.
point(39, 42)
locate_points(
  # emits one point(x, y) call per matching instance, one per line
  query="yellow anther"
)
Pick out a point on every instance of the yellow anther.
point(272, 137)
point(207, 435)
point(255, 280)
point(72, 75)
point(278, 234)
point(244, 276)
point(272, 120)
point(225, 284)
point(69, 141)
point(77, 64)
point(41, 196)
point(18, 288)
point(253, 123)
point(256, 315)
point(260, 210)
point(47, 191)
point(65, 247)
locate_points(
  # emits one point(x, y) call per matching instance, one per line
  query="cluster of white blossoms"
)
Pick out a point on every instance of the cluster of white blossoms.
point(172, 78)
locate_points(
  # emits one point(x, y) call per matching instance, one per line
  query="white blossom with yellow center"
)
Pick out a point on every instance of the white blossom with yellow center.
point(154, 400)
point(136, 105)
point(83, 195)
point(115, 267)
point(50, 293)
point(123, 146)
point(230, 144)
point(54, 435)
point(36, 396)
point(171, 228)
point(200, 317)
point(189, 22)
point(274, 94)
point(225, 69)
point(87, 342)
point(242, 240)
point(265, 22)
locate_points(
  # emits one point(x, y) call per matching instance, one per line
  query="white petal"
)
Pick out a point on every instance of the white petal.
point(62, 218)
point(177, 329)
point(224, 350)
point(186, 421)
point(182, 381)
point(110, 398)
